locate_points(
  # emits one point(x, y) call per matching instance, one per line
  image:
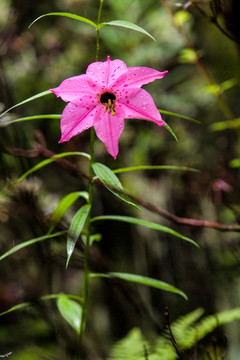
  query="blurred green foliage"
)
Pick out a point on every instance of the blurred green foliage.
point(36, 59)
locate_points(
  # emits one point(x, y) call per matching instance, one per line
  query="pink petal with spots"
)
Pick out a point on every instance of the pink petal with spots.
point(138, 76)
point(75, 119)
point(105, 73)
point(139, 104)
point(108, 130)
point(74, 87)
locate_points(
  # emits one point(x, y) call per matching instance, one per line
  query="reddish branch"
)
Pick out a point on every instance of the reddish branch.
point(40, 149)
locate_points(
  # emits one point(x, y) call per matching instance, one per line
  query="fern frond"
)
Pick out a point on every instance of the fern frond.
point(187, 331)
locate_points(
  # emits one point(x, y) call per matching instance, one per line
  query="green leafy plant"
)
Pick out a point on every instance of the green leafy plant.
point(180, 336)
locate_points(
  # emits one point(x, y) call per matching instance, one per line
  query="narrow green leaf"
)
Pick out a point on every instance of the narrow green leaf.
point(112, 183)
point(64, 205)
point(154, 167)
point(68, 15)
point(147, 224)
point(143, 280)
point(34, 97)
point(6, 122)
point(76, 228)
point(49, 161)
point(179, 115)
point(16, 307)
point(30, 242)
point(71, 311)
point(127, 25)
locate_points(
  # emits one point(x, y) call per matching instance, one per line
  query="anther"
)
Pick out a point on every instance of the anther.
point(109, 101)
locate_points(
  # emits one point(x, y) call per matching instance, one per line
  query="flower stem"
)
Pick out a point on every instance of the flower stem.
point(87, 244)
point(98, 22)
point(88, 222)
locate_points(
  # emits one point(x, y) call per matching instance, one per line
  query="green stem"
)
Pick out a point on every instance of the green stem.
point(87, 244)
point(88, 222)
point(98, 22)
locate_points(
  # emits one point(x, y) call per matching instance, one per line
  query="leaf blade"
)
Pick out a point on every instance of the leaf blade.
point(4, 122)
point(30, 242)
point(154, 167)
point(144, 223)
point(143, 280)
point(71, 311)
point(76, 228)
point(69, 15)
point(34, 97)
point(49, 161)
point(179, 115)
point(127, 25)
point(65, 203)
point(112, 183)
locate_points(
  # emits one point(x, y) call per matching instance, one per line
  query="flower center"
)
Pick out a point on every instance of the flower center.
point(109, 101)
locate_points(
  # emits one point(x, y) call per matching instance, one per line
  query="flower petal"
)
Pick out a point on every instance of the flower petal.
point(75, 119)
point(75, 87)
point(138, 103)
point(108, 130)
point(138, 76)
point(106, 73)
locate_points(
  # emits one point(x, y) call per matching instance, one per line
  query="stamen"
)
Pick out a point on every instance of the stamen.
point(109, 101)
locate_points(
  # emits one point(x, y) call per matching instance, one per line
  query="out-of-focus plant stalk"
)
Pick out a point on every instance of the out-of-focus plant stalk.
point(198, 62)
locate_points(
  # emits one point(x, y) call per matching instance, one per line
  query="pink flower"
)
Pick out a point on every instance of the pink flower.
point(107, 94)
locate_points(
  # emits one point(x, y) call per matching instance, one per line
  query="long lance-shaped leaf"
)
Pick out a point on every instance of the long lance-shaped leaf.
point(144, 223)
point(154, 167)
point(179, 115)
point(49, 161)
point(143, 280)
point(34, 97)
point(127, 25)
point(71, 311)
point(42, 298)
point(6, 122)
point(112, 183)
point(76, 228)
point(68, 15)
point(16, 307)
point(30, 242)
point(64, 205)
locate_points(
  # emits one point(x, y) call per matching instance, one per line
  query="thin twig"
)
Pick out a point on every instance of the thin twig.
point(39, 149)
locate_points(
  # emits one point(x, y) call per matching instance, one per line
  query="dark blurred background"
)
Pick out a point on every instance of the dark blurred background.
point(200, 48)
